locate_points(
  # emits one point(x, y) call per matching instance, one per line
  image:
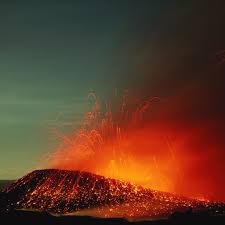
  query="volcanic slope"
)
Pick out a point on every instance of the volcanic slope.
point(63, 191)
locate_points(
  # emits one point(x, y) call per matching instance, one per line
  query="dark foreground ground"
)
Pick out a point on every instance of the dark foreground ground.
point(30, 217)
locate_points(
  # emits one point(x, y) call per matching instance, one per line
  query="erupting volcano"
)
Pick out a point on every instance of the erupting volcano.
point(130, 169)
point(137, 141)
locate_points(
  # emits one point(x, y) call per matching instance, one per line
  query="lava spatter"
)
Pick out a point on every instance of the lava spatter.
point(64, 191)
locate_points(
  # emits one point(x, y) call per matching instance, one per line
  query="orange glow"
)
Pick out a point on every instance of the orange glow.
point(139, 144)
point(82, 193)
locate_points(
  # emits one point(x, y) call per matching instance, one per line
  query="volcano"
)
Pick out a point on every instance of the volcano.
point(64, 191)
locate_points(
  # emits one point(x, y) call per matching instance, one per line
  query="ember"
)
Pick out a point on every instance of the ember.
point(126, 140)
point(62, 191)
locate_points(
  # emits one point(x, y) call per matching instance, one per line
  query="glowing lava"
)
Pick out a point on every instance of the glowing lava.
point(134, 141)
point(118, 145)
point(82, 193)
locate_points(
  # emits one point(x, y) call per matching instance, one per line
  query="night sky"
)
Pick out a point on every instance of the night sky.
point(53, 53)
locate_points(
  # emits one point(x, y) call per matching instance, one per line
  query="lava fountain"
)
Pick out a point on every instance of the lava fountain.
point(122, 141)
point(118, 144)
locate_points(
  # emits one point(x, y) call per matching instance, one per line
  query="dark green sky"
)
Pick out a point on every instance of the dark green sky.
point(53, 53)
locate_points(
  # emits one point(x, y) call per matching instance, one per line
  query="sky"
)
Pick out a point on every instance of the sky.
point(53, 53)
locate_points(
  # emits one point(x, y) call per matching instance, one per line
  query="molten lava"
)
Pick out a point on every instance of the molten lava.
point(138, 142)
point(61, 191)
point(117, 144)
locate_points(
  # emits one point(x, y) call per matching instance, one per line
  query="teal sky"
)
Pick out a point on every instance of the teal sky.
point(53, 53)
